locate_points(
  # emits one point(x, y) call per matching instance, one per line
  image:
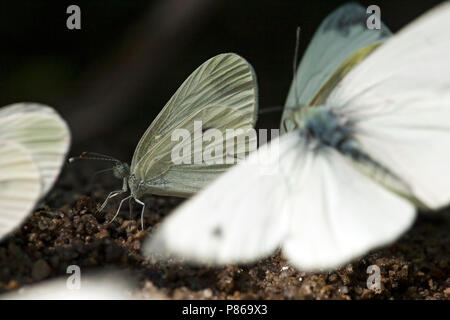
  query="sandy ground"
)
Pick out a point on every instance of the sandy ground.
point(67, 230)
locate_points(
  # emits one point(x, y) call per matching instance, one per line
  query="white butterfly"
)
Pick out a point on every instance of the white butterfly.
point(34, 141)
point(221, 94)
point(366, 140)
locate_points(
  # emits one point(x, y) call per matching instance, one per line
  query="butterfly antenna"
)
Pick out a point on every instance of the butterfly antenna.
point(270, 110)
point(93, 156)
point(94, 175)
point(102, 171)
point(118, 209)
point(295, 63)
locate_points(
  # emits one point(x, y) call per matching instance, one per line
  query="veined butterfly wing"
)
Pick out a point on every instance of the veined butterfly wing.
point(164, 176)
point(341, 42)
point(224, 85)
point(20, 185)
point(42, 132)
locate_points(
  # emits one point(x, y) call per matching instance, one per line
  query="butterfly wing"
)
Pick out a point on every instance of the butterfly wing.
point(42, 132)
point(239, 217)
point(93, 286)
point(306, 205)
point(341, 42)
point(200, 160)
point(19, 185)
point(398, 101)
point(339, 214)
point(225, 82)
point(29, 107)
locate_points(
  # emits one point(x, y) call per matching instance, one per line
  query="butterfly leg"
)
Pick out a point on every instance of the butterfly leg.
point(118, 210)
point(112, 194)
point(142, 212)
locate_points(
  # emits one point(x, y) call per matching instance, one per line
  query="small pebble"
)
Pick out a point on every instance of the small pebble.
point(41, 270)
point(207, 293)
point(102, 234)
point(343, 289)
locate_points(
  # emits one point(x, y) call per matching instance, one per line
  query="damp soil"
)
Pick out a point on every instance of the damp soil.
point(66, 229)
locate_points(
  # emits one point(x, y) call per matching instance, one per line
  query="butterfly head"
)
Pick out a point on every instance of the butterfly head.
point(121, 170)
point(324, 126)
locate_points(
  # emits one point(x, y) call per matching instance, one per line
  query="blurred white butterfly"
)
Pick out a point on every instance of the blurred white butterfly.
point(221, 94)
point(104, 285)
point(364, 143)
point(34, 141)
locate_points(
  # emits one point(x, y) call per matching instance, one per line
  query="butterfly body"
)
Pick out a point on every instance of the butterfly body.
point(139, 188)
point(325, 127)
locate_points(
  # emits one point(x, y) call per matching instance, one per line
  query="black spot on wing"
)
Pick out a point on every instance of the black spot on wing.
point(217, 232)
point(344, 18)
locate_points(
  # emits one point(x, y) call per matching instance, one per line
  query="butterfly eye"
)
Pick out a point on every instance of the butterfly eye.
point(217, 232)
point(121, 170)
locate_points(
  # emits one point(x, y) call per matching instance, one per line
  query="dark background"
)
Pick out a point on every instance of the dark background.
point(112, 77)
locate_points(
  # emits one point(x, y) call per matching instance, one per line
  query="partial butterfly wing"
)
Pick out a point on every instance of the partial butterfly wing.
point(97, 286)
point(339, 214)
point(398, 100)
point(342, 41)
point(224, 86)
point(25, 107)
point(43, 133)
point(306, 206)
point(172, 168)
point(239, 217)
point(20, 185)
